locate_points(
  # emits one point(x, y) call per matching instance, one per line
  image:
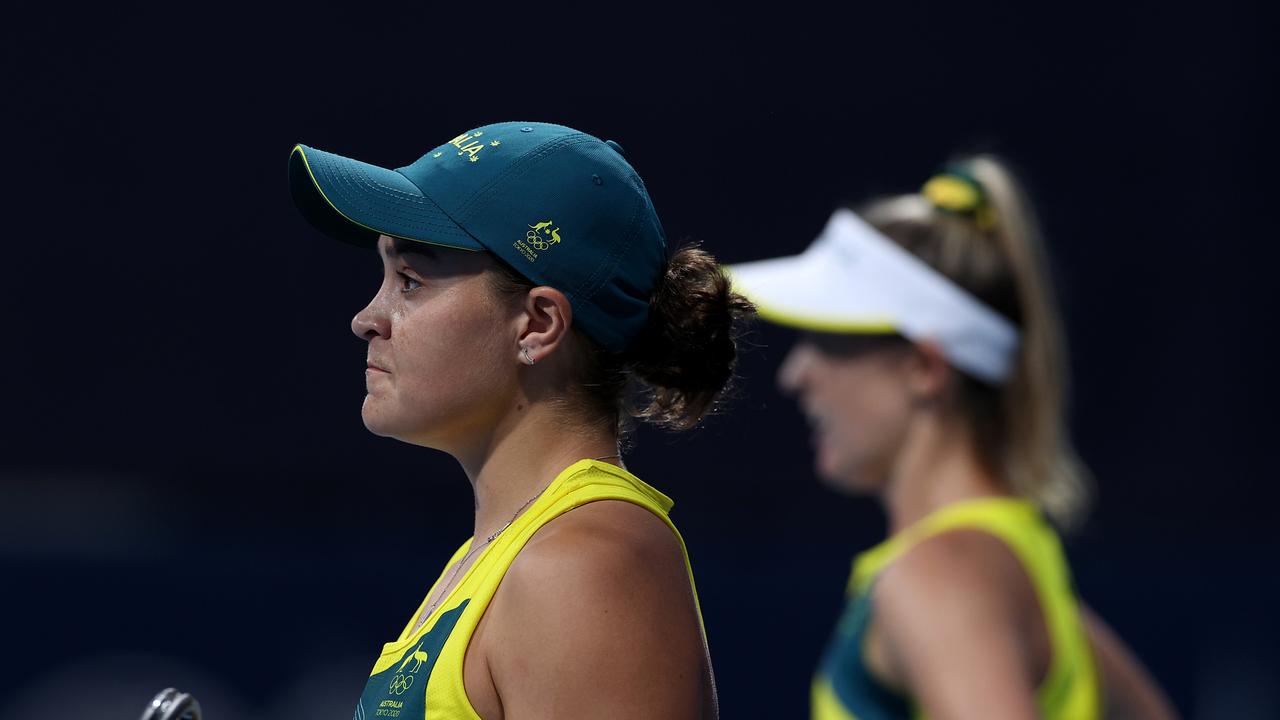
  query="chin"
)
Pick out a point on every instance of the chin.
point(377, 422)
point(375, 426)
point(846, 476)
point(411, 428)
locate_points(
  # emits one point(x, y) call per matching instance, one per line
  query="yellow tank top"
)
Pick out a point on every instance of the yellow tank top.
point(845, 689)
point(419, 676)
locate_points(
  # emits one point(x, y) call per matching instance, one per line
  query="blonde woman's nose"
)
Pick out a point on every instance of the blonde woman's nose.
point(795, 367)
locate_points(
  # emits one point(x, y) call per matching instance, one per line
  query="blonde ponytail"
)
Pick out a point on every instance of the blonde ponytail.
point(996, 253)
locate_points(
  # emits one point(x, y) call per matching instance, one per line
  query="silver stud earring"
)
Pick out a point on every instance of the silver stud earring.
point(524, 352)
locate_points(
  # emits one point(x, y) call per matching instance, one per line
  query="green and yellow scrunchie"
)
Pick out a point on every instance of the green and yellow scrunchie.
point(956, 191)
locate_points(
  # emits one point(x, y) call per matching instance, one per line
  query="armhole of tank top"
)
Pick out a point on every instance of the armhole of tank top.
point(561, 508)
point(639, 499)
point(863, 638)
point(1054, 683)
point(684, 552)
point(992, 525)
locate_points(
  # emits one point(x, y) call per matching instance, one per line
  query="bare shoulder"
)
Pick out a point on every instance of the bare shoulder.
point(608, 557)
point(598, 607)
point(605, 548)
point(961, 575)
point(960, 621)
point(605, 531)
point(961, 560)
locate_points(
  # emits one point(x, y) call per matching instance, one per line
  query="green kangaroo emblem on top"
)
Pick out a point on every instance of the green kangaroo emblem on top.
point(546, 229)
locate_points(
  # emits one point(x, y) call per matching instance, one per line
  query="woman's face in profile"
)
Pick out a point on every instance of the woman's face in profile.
point(853, 391)
point(442, 349)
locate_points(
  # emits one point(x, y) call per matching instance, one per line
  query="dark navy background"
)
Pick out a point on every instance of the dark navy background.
point(188, 496)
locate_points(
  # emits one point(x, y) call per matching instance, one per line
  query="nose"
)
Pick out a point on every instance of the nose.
point(794, 371)
point(372, 321)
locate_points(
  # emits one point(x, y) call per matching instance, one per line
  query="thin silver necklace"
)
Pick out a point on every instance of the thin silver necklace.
point(444, 591)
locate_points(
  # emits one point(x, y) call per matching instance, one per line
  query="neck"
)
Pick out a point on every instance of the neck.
point(938, 465)
point(521, 456)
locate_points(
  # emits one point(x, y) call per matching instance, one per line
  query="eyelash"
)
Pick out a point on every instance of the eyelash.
point(404, 280)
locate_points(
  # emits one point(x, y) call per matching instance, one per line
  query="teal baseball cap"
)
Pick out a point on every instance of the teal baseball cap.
point(561, 207)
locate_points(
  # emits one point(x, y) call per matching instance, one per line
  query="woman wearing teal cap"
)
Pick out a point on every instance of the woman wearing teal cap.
point(526, 298)
point(930, 368)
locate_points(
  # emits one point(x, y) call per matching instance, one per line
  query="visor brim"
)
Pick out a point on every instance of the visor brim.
point(803, 292)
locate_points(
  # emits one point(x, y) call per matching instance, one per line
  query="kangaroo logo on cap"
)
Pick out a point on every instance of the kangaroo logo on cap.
point(540, 237)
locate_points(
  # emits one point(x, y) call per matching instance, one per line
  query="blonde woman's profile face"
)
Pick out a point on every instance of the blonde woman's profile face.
point(854, 394)
point(441, 346)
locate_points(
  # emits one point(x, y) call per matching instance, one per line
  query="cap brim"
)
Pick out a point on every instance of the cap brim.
point(356, 202)
point(810, 292)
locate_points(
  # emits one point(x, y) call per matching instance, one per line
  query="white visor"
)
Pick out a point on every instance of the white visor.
point(853, 279)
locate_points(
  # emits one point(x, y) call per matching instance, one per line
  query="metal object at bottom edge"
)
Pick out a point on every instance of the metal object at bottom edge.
point(170, 704)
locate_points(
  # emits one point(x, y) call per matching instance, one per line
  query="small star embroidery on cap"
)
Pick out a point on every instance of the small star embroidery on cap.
point(495, 143)
point(437, 155)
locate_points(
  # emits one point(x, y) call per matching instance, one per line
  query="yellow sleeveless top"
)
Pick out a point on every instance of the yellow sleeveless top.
point(845, 689)
point(419, 676)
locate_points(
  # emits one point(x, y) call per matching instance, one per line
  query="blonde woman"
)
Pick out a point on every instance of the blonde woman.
point(931, 371)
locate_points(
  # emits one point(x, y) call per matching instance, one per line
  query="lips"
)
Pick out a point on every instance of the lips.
point(370, 365)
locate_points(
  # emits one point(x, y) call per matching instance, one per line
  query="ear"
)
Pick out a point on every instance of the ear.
point(929, 374)
point(545, 321)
